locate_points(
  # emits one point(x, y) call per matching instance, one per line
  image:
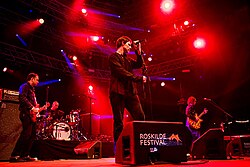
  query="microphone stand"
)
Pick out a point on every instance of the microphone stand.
point(145, 73)
point(90, 113)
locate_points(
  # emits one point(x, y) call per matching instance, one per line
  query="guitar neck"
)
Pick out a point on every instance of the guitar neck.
point(204, 112)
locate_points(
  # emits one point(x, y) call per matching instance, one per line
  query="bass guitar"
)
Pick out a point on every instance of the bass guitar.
point(196, 124)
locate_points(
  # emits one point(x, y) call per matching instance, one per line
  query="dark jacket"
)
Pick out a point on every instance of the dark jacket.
point(122, 77)
point(27, 98)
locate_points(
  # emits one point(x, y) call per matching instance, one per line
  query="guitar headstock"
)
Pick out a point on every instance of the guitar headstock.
point(47, 104)
point(205, 110)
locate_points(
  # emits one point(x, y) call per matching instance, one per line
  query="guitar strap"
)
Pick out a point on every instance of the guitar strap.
point(34, 95)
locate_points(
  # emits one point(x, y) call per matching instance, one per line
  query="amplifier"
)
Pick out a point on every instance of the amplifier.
point(10, 95)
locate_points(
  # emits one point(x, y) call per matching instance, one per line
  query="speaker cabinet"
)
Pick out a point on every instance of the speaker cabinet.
point(10, 128)
point(145, 142)
point(93, 149)
point(210, 145)
point(95, 124)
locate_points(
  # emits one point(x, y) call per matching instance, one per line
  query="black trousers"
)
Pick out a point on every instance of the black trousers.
point(119, 103)
point(27, 137)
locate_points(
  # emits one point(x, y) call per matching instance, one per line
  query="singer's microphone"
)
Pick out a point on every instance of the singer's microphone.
point(136, 42)
point(207, 99)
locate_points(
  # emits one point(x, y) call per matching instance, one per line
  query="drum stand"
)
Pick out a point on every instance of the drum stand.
point(76, 134)
point(89, 135)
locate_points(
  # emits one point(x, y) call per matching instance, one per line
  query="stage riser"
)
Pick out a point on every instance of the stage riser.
point(60, 149)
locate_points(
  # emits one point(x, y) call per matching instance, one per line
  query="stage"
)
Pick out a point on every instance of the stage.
point(242, 162)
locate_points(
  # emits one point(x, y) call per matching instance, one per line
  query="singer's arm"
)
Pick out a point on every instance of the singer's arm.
point(139, 60)
point(120, 72)
point(137, 47)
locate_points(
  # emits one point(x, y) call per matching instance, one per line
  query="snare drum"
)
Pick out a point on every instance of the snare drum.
point(61, 131)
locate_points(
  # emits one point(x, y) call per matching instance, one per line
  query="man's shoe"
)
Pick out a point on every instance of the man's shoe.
point(29, 159)
point(17, 159)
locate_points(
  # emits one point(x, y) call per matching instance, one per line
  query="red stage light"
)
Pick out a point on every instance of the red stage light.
point(95, 38)
point(199, 43)
point(74, 58)
point(41, 21)
point(167, 6)
point(186, 23)
point(84, 11)
point(91, 88)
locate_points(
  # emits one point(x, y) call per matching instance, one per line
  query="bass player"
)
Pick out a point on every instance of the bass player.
point(193, 121)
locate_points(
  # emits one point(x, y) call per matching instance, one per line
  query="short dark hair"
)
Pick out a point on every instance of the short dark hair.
point(123, 39)
point(31, 75)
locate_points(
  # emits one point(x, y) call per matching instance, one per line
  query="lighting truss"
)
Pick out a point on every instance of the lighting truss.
point(162, 68)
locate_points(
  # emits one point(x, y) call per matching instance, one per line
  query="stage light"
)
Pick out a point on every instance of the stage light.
point(85, 12)
point(74, 58)
point(95, 38)
point(41, 21)
point(62, 51)
point(185, 70)
point(199, 43)
point(150, 59)
point(167, 6)
point(91, 88)
point(59, 80)
point(186, 23)
point(21, 40)
point(5, 69)
point(163, 84)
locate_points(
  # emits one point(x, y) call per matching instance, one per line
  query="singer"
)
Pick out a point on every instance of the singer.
point(123, 93)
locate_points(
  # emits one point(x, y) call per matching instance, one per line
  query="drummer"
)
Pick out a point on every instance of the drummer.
point(54, 113)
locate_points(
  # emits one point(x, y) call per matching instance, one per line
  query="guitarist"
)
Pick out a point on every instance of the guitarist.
point(191, 115)
point(27, 107)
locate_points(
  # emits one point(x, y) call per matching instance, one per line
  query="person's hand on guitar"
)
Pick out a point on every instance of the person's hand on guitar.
point(34, 112)
point(196, 124)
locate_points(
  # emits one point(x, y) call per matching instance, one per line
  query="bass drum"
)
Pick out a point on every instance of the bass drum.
point(61, 131)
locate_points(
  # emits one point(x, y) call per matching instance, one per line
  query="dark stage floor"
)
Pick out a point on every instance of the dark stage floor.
point(242, 162)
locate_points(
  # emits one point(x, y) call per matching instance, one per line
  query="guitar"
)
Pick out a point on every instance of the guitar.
point(35, 114)
point(196, 124)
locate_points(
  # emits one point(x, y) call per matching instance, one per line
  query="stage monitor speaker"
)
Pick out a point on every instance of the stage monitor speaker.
point(10, 128)
point(146, 142)
point(210, 145)
point(93, 149)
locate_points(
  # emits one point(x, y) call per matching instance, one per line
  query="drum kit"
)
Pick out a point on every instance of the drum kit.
point(64, 129)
